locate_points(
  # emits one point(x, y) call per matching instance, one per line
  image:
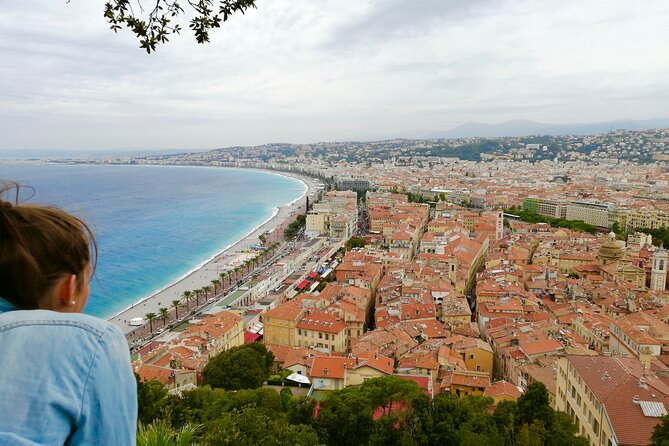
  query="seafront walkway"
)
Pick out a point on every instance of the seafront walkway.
point(225, 296)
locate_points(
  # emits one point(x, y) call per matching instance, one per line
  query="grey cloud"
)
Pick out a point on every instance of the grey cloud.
point(391, 19)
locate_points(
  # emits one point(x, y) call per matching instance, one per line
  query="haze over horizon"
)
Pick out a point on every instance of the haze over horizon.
point(303, 71)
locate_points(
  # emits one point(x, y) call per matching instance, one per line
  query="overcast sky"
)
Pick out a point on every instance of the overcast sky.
point(324, 70)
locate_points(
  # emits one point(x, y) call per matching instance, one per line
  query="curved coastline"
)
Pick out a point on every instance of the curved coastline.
point(202, 274)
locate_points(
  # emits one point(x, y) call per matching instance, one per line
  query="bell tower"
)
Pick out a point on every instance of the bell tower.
point(658, 275)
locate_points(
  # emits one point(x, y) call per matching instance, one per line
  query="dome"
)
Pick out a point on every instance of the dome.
point(611, 251)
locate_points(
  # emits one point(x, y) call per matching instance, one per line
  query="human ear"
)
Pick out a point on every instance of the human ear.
point(64, 295)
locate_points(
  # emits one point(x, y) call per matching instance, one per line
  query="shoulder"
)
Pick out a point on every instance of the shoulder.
point(45, 319)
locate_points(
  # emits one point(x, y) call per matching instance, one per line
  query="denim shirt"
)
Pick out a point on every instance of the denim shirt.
point(65, 379)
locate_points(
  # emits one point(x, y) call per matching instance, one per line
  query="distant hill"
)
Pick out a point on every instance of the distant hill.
point(524, 127)
point(27, 154)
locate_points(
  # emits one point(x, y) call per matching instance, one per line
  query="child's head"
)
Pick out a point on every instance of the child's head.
point(45, 257)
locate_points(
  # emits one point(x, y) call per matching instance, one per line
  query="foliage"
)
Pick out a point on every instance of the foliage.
point(576, 225)
point(355, 242)
point(660, 235)
point(150, 398)
point(249, 426)
point(294, 228)
point(382, 411)
point(160, 23)
point(660, 435)
point(160, 433)
point(243, 367)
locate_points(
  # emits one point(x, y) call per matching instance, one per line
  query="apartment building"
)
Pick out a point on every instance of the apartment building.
point(612, 400)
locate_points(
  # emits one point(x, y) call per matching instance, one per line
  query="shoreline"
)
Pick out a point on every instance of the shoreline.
point(226, 258)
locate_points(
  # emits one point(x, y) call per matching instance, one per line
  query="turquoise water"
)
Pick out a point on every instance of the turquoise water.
point(154, 224)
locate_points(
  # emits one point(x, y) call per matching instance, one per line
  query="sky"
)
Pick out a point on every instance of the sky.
point(303, 71)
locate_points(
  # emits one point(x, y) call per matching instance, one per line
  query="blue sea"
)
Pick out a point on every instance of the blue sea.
point(155, 224)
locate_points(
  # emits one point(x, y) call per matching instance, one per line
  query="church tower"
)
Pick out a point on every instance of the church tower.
point(658, 275)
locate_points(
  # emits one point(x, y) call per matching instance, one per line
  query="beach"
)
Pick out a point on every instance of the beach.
point(234, 255)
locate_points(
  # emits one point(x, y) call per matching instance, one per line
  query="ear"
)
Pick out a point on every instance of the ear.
point(64, 293)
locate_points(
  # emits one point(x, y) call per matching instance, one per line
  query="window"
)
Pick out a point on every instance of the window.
point(471, 356)
point(320, 335)
point(478, 368)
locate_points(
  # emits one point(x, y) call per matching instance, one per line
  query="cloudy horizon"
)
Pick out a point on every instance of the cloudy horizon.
point(305, 71)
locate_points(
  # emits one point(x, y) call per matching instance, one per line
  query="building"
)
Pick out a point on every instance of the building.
point(591, 212)
point(546, 207)
point(612, 400)
point(658, 275)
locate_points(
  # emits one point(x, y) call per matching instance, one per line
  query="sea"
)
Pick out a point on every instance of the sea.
point(154, 224)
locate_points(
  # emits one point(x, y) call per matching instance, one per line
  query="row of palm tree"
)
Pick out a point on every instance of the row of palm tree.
point(226, 276)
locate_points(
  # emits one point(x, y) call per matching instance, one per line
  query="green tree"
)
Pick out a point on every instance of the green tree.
point(263, 239)
point(385, 391)
point(243, 367)
point(176, 304)
point(660, 435)
point(150, 317)
point(355, 242)
point(164, 314)
point(216, 284)
point(345, 418)
point(151, 397)
point(534, 405)
point(249, 426)
point(158, 23)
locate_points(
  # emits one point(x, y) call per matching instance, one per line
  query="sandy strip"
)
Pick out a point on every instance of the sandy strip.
point(227, 259)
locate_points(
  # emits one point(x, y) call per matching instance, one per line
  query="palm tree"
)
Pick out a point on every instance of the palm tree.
point(176, 304)
point(273, 247)
point(223, 276)
point(187, 295)
point(216, 283)
point(206, 290)
point(150, 317)
point(198, 293)
point(164, 314)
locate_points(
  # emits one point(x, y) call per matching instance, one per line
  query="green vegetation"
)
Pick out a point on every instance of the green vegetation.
point(660, 435)
point(355, 242)
point(161, 19)
point(295, 227)
point(243, 367)
point(530, 217)
point(660, 236)
point(383, 411)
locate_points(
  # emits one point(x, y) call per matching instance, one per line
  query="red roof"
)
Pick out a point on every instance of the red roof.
point(250, 337)
point(302, 284)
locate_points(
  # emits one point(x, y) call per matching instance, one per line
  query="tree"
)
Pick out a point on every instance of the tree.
point(187, 295)
point(164, 314)
point(355, 242)
point(150, 317)
point(385, 391)
point(150, 399)
point(159, 24)
point(534, 404)
point(176, 304)
point(250, 426)
point(206, 289)
point(346, 417)
point(243, 367)
point(660, 435)
point(263, 239)
point(216, 283)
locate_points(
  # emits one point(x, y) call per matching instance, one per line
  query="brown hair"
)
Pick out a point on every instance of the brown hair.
point(38, 246)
